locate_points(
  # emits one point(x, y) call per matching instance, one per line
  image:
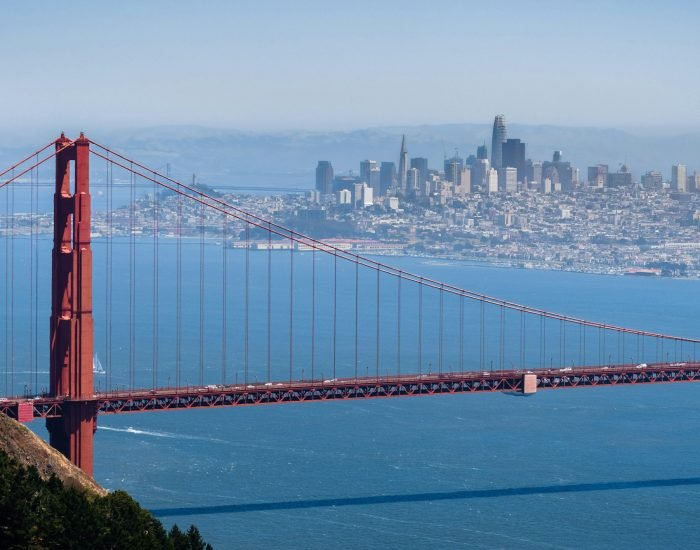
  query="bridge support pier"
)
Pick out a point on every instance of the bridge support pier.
point(72, 329)
point(529, 383)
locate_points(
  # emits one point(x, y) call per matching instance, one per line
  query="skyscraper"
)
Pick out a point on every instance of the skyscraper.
point(498, 138)
point(420, 164)
point(387, 177)
point(324, 177)
point(482, 152)
point(598, 175)
point(453, 168)
point(508, 179)
point(403, 165)
point(492, 185)
point(679, 181)
point(366, 168)
point(513, 155)
point(479, 174)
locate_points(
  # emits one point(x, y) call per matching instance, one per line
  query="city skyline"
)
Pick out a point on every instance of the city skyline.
point(511, 170)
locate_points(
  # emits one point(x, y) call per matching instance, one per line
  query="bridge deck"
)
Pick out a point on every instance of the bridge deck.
point(165, 399)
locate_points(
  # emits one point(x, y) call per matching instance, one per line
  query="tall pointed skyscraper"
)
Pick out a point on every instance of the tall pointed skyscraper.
point(498, 139)
point(403, 165)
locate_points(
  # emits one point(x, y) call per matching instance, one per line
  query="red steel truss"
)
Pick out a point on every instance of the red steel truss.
point(511, 381)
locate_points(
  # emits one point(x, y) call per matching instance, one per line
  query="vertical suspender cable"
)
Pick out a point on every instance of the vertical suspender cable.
point(201, 294)
point(108, 293)
point(269, 301)
point(313, 311)
point(376, 358)
point(398, 325)
point(543, 342)
point(440, 330)
point(482, 335)
point(522, 339)
point(156, 282)
point(35, 226)
point(224, 297)
point(420, 325)
point(461, 333)
point(335, 310)
point(291, 306)
point(132, 281)
point(12, 288)
point(7, 291)
point(178, 294)
point(502, 337)
point(246, 313)
point(31, 280)
point(562, 339)
point(357, 313)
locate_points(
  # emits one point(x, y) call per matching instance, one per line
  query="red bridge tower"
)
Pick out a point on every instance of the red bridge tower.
point(72, 329)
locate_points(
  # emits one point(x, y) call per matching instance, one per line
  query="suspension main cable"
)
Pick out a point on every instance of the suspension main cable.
point(294, 236)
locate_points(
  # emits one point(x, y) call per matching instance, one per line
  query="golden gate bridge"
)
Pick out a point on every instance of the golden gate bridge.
point(303, 320)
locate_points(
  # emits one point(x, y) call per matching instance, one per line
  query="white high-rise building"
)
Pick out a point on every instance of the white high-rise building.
point(367, 196)
point(508, 179)
point(344, 196)
point(492, 181)
point(679, 178)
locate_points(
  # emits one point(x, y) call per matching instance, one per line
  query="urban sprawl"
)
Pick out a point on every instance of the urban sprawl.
point(500, 208)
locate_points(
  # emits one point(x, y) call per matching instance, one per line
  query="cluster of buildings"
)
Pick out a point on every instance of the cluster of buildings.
point(506, 170)
point(505, 207)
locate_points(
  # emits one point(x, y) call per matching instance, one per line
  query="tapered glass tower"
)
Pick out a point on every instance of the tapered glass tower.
point(499, 137)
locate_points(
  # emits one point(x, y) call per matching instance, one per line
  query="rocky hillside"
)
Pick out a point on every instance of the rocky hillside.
point(28, 449)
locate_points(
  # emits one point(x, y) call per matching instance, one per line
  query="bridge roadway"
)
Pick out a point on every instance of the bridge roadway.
point(515, 381)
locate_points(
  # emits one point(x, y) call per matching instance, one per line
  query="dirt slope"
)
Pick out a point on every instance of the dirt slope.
point(29, 449)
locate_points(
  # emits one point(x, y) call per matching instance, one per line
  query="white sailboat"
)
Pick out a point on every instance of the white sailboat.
point(97, 367)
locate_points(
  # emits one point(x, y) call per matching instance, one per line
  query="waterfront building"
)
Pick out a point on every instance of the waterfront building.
point(324, 177)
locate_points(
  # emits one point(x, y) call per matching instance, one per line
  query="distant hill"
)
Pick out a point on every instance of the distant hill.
point(288, 159)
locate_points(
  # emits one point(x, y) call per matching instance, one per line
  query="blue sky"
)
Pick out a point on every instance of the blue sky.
point(268, 65)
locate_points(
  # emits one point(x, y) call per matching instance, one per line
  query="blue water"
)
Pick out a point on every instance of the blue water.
point(595, 467)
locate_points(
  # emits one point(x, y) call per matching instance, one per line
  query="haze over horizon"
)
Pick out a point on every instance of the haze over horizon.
point(271, 66)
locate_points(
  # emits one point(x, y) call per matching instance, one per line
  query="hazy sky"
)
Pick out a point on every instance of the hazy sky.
point(264, 65)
